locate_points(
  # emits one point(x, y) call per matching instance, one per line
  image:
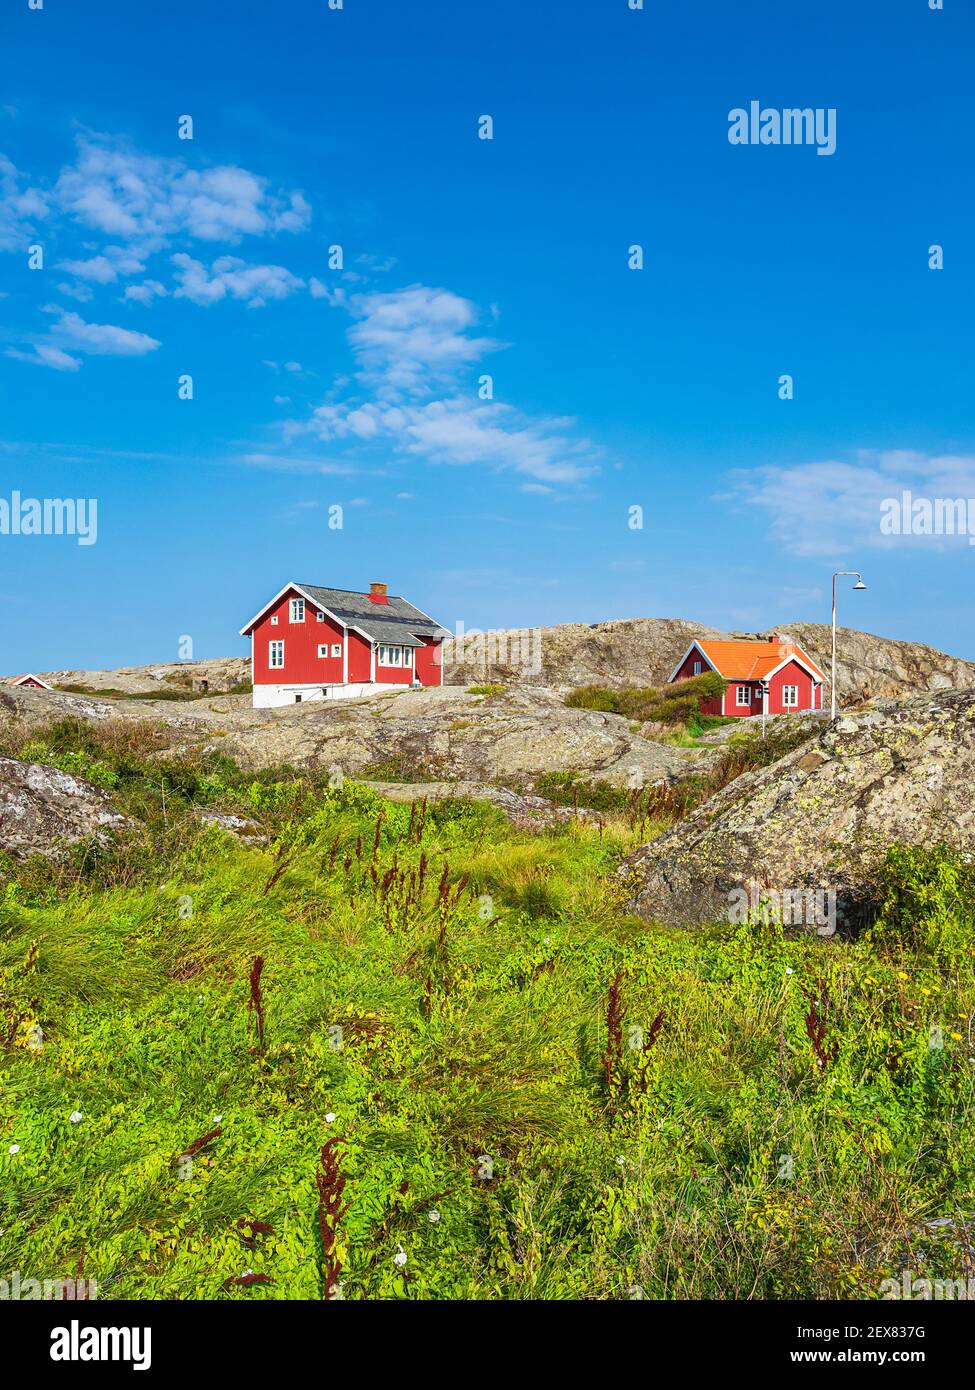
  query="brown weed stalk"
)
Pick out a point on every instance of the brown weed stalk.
point(256, 1002)
point(331, 1184)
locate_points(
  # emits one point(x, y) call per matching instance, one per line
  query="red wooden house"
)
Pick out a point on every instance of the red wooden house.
point(771, 676)
point(312, 643)
point(31, 680)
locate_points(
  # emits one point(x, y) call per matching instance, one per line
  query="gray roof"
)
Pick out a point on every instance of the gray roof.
point(396, 623)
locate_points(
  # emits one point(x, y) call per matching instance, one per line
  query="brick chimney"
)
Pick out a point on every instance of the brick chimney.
point(377, 592)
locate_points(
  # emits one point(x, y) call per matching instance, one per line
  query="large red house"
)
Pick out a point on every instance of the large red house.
point(311, 643)
point(771, 676)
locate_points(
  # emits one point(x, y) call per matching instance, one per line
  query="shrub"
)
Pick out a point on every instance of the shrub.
point(924, 893)
point(678, 703)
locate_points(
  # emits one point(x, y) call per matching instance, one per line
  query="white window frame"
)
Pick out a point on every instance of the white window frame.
point(272, 653)
point(746, 691)
point(336, 648)
point(322, 649)
point(389, 656)
point(788, 703)
point(407, 656)
point(319, 617)
point(296, 610)
point(698, 667)
point(274, 620)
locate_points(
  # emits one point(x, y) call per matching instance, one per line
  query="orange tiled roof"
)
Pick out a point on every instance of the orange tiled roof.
point(752, 660)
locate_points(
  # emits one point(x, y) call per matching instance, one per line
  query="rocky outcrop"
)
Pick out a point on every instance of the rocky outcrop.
point(42, 810)
point(439, 734)
point(819, 819)
point(644, 651)
point(216, 675)
point(447, 735)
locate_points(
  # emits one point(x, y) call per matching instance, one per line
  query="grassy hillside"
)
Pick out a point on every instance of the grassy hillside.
point(533, 1095)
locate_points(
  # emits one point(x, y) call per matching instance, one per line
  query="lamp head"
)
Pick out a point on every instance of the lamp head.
point(859, 584)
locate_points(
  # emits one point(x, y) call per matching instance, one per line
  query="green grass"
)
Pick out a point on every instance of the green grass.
point(679, 703)
point(512, 1115)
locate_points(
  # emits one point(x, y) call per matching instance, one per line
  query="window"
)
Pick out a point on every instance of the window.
point(390, 656)
point(297, 699)
point(697, 668)
point(323, 649)
point(297, 611)
point(319, 617)
point(407, 656)
point(275, 655)
point(274, 620)
point(336, 648)
point(790, 697)
point(744, 696)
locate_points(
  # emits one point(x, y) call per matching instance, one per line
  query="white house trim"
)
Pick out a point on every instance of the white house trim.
point(814, 672)
point(309, 601)
point(29, 676)
point(695, 646)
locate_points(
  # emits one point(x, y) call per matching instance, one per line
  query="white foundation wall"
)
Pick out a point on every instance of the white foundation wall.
point(269, 696)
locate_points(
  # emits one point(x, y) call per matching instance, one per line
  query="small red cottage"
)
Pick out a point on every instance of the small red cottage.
point(774, 676)
point(310, 643)
point(29, 680)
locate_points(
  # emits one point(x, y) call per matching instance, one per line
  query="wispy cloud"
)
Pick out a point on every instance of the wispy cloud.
point(124, 193)
point(22, 207)
point(290, 463)
point(143, 204)
point(230, 277)
point(413, 390)
point(825, 507)
point(73, 334)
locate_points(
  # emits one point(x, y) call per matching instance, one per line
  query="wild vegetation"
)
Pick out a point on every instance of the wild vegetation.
point(679, 703)
point(404, 1051)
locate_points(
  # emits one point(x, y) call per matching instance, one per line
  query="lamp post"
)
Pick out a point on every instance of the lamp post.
point(832, 677)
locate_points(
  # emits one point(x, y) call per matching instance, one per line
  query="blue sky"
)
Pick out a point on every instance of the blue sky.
point(315, 387)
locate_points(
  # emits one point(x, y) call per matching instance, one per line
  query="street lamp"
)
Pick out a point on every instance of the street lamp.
point(832, 678)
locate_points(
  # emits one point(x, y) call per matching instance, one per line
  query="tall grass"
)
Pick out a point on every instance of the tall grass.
point(474, 1076)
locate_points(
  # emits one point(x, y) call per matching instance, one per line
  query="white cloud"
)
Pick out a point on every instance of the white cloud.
point(21, 207)
point(231, 277)
point(46, 355)
point(106, 267)
point(73, 332)
point(80, 291)
point(144, 198)
point(144, 293)
point(289, 463)
point(409, 341)
point(825, 507)
point(415, 351)
point(102, 339)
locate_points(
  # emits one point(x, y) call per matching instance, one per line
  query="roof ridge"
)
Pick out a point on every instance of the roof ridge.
point(359, 593)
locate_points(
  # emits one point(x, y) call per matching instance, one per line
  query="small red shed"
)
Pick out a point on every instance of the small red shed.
point(771, 675)
point(31, 680)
